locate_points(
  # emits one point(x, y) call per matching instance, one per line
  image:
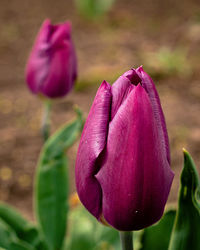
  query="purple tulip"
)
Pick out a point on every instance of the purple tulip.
point(123, 173)
point(51, 69)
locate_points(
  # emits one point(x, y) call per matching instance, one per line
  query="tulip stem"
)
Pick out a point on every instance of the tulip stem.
point(126, 240)
point(45, 127)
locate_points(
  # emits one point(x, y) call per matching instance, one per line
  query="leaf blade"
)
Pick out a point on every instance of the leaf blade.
point(24, 229)
point(52, 183)
point(186, 229)
point(9, 240)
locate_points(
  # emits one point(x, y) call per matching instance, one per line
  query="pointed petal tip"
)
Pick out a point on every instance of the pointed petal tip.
point(139, 88)
point(140, 69)
point(46, 22)
point(105, 85)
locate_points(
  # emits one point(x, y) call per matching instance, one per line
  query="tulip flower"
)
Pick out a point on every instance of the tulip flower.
point(51, 69)
point(123, 173)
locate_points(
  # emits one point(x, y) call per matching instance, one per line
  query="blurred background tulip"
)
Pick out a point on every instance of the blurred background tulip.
point(51, 68)
point(123, 173)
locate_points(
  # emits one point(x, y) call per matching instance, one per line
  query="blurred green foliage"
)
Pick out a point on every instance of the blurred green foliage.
point(23, 229)
point(167, 62)
point(93, 8)
point(86, 233)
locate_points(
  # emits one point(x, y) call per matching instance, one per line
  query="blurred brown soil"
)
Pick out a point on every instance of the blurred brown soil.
point(131, 34)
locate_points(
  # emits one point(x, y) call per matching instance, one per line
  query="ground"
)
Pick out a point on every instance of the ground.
point(162, 36)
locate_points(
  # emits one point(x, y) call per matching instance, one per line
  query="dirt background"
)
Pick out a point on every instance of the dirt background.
point(164, 36)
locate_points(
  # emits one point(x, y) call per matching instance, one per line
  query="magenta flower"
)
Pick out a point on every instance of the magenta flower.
point(51, 69)
point(123, 173)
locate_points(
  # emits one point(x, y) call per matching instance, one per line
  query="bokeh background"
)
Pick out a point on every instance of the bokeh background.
point(163, 36)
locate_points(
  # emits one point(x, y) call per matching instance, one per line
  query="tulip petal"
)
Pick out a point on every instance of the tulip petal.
point(59, 79)
point(120, 90)
point(44, 33)
point(135, 176)
point(63, 66)
point(61, 34)
point(38, 63)
point(132, 76)
point(92, 144)
point(149, 86)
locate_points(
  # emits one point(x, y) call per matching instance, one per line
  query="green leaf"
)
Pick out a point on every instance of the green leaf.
point(9, 240)
point(24, 229)
point(93, 8)
point(52, 183)
point(186, 231)
point(157, 237)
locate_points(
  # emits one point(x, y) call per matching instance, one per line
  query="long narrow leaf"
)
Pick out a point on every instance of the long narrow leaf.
point(186, 231)
point(9, 240)
point(24, 229)
point(52, 183)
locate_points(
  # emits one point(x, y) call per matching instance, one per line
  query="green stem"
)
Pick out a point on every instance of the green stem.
point(126, 240)
point(45, 126)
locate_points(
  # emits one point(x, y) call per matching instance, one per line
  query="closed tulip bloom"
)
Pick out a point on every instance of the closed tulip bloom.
point(123, 173)
point(51, 69)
